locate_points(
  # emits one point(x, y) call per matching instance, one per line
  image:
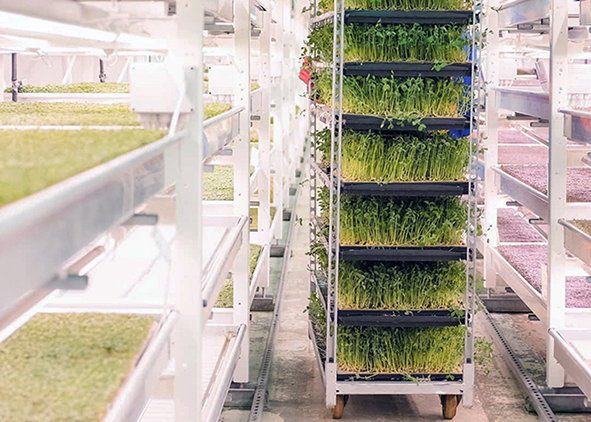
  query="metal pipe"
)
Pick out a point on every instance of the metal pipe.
point(14, 78)
point(126, 400)
point(102, 74)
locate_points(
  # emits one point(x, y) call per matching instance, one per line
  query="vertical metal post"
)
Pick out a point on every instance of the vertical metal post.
point(335, 202)
point(67, 79)
point(557, 183)
point(242, 179)
point(14, 78)
point(476, 93)
point(490, 231)
point(187, 259)
point(102, 74)
point(279, 130)
point(264, 217)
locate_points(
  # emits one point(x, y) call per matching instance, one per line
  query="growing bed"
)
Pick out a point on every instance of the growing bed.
point(536, 176)
point(513, 229)
point(527, 261)
point(69, 367)
point(226, 296)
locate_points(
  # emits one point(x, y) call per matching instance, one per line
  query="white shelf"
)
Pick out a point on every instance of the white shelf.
point(515, 12)
point(220, 262)
point(220, 130)
point(534, 200)
point(42, 232)
point(577, 242)
point(221, 350)
point(572, 349)
point(531, 101)
point(577, 125)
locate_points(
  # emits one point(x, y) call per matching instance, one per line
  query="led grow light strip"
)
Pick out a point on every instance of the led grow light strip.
point(32, 25)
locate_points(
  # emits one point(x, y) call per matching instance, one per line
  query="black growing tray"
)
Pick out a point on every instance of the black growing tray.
point(403, 253)
point(402, 69)
point(406, 188)
point(399, 377)
point(382, 318)
point(457, 188)
point(362, 122)
point(423, 17)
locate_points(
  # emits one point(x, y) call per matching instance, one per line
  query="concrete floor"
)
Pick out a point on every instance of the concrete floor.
point(296, 392)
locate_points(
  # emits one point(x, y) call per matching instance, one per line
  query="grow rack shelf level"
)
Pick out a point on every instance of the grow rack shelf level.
point(395, 189)
point(423, 17)
point(577, 124)
point(403, 69)
point(384, 318)
point(403, 253)
point(380, 124)
point(350, 377)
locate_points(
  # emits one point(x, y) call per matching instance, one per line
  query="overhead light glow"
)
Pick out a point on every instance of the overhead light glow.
point(31, 25)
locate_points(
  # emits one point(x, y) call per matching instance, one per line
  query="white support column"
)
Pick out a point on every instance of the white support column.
point(124, 72)
point(557, 183)
point(278, 124)
point(491, 73)
point(187, 259)
point(242, 178)
point(264, 216)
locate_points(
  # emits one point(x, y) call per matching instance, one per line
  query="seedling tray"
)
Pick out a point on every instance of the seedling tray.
point(423, 17)
point(406, 188)
point(397, 188)
point(384, 318)
point(403, 69)
point(403, 253)
point(341, 376)
point(362, 122)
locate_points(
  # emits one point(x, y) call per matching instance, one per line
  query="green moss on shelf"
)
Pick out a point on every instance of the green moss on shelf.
point(68, 367)
point(79, 88)
point(214, 109)
point(226, 296)
point(77, 114)
point(32, 160)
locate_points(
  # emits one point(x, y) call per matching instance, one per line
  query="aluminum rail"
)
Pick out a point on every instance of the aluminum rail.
point(513, 13)
point(221, 264)
point(570, 359)
point(577, 125)
point(531, 102)
point(136, 392)
point(220, 130)
point(71, 97)
point(529, 197)
point(75, 211)
point(576, 241)
point(213, 405)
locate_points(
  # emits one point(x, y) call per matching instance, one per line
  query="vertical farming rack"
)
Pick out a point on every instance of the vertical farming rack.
point(331, 185)
point(536, 206)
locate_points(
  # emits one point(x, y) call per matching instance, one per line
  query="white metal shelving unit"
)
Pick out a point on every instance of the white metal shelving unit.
point(209, 241)
point(521, 32)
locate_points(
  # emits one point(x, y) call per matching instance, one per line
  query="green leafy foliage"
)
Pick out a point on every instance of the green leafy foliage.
point(372, 157)
point(401, 287)
point(68, 367)
point(396, 98)
point(400, 350)
point(213, 109)
point(78, 88)
point(328, 5)
point(392, 43)
point(31, 160)
point(77, 114)
point(226, 297)
point(387, 221)
point(218, 185)
point(397, 286)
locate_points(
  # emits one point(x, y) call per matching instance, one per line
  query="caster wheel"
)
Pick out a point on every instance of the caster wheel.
point(339, 408)
point(449, 405)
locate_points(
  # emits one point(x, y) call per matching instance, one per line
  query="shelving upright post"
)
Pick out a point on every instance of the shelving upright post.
point(187, 259)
